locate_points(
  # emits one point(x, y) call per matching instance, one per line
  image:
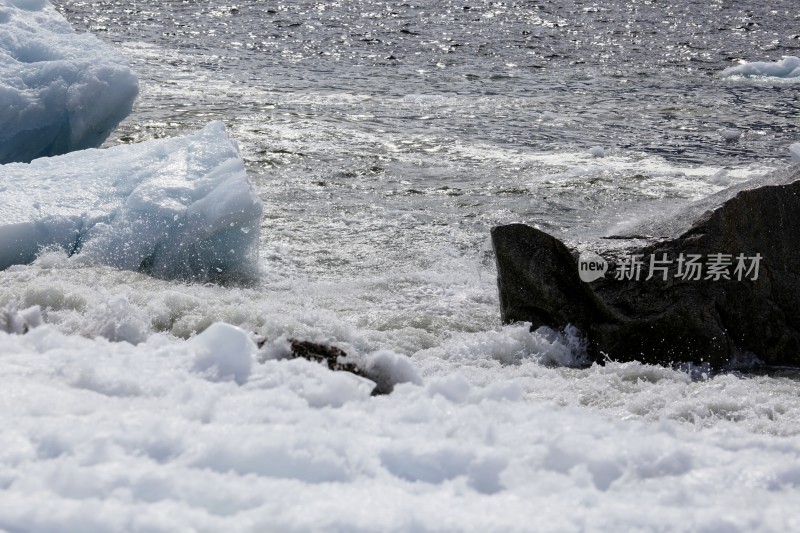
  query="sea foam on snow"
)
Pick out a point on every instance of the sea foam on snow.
point(59, 90)
point(175, 208)
point(101, 436)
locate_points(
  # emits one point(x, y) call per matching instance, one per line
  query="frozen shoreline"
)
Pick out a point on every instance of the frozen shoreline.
point(111, 437)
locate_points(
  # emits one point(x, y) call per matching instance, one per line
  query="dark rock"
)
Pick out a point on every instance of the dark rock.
point(336, 360)
point(677, 319)
point(331, 356)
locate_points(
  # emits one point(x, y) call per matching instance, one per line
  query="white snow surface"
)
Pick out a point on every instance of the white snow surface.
point(788, 67)
point(102, 437)
point(59, 90)
point(175, 208)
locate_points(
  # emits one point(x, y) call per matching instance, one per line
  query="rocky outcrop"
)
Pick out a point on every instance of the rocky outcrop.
point(717, 281)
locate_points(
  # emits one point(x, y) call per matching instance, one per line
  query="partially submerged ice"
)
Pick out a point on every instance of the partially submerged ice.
point(788, 67)
point(59, 90)
point(175, 208)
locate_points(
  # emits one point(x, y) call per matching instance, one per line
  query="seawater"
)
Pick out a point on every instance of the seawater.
point(386, 140)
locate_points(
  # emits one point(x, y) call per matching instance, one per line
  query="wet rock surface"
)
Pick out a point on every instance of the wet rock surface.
point(723, 287)
point(331, 356)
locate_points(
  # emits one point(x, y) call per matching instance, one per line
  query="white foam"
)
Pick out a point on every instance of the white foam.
point(59, 90)
point(103, 436)
point(388, 369)
point(20, 321)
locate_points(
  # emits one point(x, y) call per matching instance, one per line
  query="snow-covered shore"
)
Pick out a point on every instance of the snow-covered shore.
point(101, 436)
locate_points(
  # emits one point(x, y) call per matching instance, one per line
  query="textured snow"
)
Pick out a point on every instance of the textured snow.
point(788, 67)
point(59, 90)
point(175, 208)
point(101, 436)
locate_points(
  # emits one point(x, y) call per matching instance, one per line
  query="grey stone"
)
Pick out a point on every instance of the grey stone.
point(672, 320)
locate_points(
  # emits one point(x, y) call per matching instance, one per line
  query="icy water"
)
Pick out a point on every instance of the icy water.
point(385, 140)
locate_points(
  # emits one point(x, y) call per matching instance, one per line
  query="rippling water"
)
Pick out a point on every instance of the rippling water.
point(387, 139)
point(638, 76)
point(470, 114)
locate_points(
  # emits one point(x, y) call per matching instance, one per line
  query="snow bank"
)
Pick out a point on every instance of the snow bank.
point(59, 91)
point(788, 67)
point(175, 208)
point(101, 436)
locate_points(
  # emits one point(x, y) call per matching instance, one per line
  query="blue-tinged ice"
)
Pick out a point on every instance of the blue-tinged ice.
point(788, 67)
point(794, 151)
point(59, 90)
point(175, 208)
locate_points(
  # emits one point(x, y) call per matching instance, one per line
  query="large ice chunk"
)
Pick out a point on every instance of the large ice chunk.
point(59, 90)
point(175, 208)
point(788, 67)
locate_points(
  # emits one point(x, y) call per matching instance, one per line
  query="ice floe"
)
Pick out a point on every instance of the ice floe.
point(175, 208)
point(59, 90)
point(788, 67)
